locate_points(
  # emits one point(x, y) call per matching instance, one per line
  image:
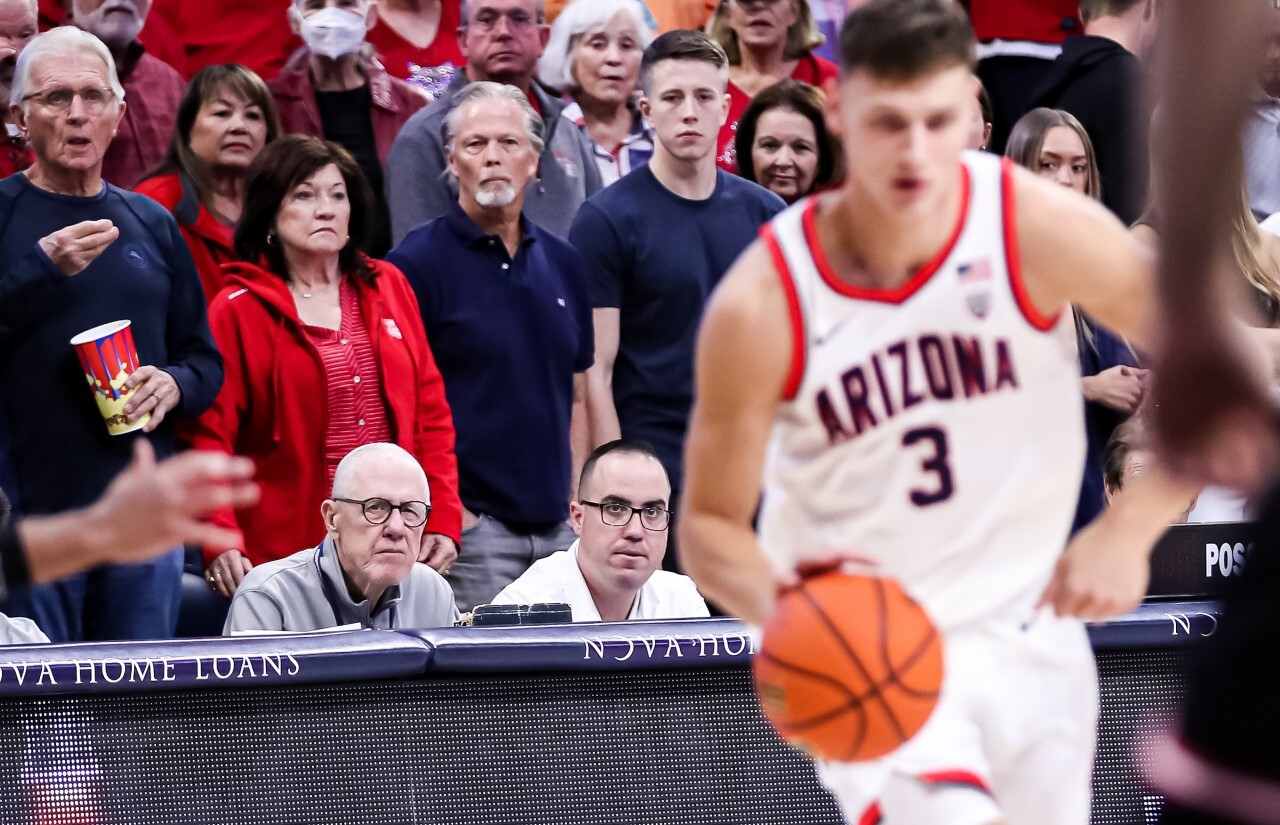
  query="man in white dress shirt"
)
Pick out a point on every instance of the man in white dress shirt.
point(613, 571)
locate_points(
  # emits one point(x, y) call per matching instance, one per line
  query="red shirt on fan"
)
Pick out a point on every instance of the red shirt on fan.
point(252, 32)
point(811, 69)
point(397, 53)
point(1040, 21)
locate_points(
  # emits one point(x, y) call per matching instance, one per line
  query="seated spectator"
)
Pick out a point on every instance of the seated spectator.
point(1098, 78)
point(17, 27)
point(417, 40)
point(80, 253)
point(365, 571)
point(613, 571)
point(226, 117)
point(784, 145)
point(1128, 454)
point(153, 89)
point(1054, 145)
point(594, 57)
point(505, 307)
point(1261, 131)
point(502, 41)
point(336, 89)
point(324, 351)
point(766, 41)
point(17, 630)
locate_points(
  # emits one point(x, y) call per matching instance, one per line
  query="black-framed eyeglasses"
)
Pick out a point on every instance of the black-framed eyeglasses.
point(618, 514)
point(486, 20)
point(378, 510)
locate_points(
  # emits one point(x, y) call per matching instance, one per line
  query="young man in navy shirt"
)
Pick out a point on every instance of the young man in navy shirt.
point(655, 245)
point(505, 306)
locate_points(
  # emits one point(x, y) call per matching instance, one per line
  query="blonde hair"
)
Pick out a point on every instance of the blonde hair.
point(802, 38)
point(1249, 246)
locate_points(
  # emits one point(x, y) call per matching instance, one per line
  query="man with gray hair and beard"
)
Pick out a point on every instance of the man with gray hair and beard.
point(365, 572)
point(506, 310)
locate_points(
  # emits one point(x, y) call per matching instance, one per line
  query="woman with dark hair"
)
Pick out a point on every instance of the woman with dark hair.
point(783, 143)
point(1053, 144)
point(767, 41)
point(225, 119)
point(324, 351)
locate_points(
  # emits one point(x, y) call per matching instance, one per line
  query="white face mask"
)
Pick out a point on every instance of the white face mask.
point(332, 32)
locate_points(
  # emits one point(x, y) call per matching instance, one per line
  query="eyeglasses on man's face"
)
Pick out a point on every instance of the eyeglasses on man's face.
point(94, 99)
point(486, 20)
point(378, 510)
point(619, 514)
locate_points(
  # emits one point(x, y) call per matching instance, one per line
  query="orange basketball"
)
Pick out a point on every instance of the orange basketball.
point(850, 666)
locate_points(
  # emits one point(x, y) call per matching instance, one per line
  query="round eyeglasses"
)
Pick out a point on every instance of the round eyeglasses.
point(617, 514)
point(378, 510)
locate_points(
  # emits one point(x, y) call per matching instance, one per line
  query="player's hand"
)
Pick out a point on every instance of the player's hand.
point(1120, 388)
point(1213, 411)
point(1102, 573)
point(74, 247)
point(227, 571)
point(437, 552)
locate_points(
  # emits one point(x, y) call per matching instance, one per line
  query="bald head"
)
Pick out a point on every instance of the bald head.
point(357, 473)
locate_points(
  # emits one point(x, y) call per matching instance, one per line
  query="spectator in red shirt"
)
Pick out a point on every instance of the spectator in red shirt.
point(336, 89)
point(767, 41)
point(225, 120)
point(153, 89)
point(324, 351)
point(17, 27)
point(417, 40)
point(248, 32)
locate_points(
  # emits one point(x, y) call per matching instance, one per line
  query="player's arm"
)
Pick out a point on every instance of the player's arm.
point(743, 356)
point(1105, 569)
point(1073, 251)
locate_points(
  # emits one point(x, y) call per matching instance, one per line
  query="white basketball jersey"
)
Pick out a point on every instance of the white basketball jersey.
point(935, 429)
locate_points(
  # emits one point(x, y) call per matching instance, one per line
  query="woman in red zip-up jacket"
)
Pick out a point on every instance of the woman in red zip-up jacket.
point(324, 351)
point(225, 119)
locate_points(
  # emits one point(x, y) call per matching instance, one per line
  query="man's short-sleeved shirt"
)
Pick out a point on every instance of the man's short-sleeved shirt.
point(508, 333)
point(558, 578)
point(656, 256)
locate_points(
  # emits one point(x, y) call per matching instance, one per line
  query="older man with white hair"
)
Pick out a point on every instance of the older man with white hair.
point(505, 306)
point(78, 253)
point(154, 88)
point(364, 572)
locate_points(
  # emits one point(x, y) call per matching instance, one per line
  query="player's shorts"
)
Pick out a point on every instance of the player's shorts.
point(1012, 738)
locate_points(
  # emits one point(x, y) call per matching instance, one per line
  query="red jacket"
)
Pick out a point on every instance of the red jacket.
point(272, 405)
point(394, 101)
point(210, 240)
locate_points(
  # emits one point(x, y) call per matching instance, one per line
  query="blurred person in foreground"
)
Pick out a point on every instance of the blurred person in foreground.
point(365, 571)
point(225, 119)
point(325, 352)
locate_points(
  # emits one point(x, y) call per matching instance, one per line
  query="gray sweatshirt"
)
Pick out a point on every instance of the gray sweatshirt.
point(420, 188)
point(306, 591)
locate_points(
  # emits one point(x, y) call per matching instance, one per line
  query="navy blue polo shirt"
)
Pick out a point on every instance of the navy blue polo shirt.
point(508, 334)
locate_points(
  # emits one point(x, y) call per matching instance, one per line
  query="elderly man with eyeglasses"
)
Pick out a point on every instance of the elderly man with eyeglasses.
point(78, 253)
point(613, 573)
point(364, 573)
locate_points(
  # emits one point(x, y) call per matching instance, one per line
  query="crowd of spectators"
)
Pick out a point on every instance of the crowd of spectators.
point(418, 259)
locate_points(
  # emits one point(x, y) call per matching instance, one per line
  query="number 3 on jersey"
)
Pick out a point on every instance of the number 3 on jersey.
point(938, 464)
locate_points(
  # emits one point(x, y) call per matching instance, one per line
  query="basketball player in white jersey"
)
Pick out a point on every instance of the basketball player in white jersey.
point(896, 361)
